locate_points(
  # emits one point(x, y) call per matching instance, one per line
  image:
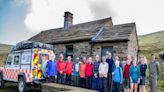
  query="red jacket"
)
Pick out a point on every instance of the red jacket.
point(69, 68)
point(60, 66)
point(89, 70)
point(126, 71)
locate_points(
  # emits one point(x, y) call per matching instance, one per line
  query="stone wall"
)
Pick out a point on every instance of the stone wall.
point(119, 48)
point(133, 45)
point(53, 87)
point(83, 49)
point(80, 49)
point(59, 49)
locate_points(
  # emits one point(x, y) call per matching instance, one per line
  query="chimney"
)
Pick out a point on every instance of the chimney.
point(68, 20)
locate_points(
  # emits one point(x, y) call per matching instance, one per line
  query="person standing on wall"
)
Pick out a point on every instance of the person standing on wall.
point(52, 69)
point(96, 73)
point(110, 62)
point(82, 73)
point(60, 69)
point(68, 71)
point(103, 73)
point(153, 73)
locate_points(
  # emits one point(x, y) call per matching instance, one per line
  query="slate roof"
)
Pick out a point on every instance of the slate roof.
point(86, 31)
point(116, 33)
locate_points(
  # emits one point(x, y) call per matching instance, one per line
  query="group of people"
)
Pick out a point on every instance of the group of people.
point(105, 75)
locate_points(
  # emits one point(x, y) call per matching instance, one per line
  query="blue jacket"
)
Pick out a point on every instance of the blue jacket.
point(76, 73)
point(110, 64)
point(134, 72)
point(51, 68)
point(118, 75)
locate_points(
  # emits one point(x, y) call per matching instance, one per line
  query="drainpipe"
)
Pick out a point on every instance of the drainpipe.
point(93, 40)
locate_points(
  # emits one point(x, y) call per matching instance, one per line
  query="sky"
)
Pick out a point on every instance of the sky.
point(22, 19)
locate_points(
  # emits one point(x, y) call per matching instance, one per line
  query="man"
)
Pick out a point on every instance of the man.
point(82, 73)
point(103, 73)
point(76, 72)
point(60, 69)
point(52, 69)
point(68, 70)
point(153, 73)
point(95, 72)
point(110, 62)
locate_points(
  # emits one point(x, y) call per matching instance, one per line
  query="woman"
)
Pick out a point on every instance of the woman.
point(134, 76)
point(126, 74)
point(143, 68)
point(117, 76)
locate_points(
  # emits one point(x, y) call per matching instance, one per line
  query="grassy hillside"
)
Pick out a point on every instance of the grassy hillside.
point(4, 50)
point(152, 42)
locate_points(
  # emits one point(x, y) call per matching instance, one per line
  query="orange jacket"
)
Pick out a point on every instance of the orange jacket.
point(82, 70)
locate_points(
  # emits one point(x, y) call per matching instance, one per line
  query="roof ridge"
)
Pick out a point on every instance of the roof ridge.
point(75, 25)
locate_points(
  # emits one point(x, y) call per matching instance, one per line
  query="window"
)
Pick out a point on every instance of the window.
point(9, 60)
point(16, 60)
point(43, 57)
point(69, 51)
point(104, 49)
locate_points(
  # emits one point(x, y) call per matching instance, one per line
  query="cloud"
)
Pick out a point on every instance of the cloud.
point(48, 14)
point(101, 8)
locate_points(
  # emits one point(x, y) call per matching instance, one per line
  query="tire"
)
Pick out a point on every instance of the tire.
point(36, 85)
point(22, 85)
point(2, 83)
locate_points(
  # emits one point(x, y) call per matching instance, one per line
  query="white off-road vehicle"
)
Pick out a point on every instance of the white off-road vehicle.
point(26, 64)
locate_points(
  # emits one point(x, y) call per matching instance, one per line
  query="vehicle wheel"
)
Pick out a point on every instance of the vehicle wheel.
point(2, 83)
point(21, 85)
point(36, 85)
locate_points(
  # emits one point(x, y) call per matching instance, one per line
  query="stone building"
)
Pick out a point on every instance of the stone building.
point(91, 38)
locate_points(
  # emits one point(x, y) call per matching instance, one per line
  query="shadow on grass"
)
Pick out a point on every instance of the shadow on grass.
point(12, 87)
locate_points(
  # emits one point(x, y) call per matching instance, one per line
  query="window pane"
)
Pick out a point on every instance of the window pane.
point(16, 60)
point(9, 60)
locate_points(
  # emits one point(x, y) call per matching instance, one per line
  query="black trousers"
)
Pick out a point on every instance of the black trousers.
point(51, 79)
point(83, 82)
point(116, 87)
point(89, 82)
point(60, 78)
point(68, 79)
point(110, 82)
